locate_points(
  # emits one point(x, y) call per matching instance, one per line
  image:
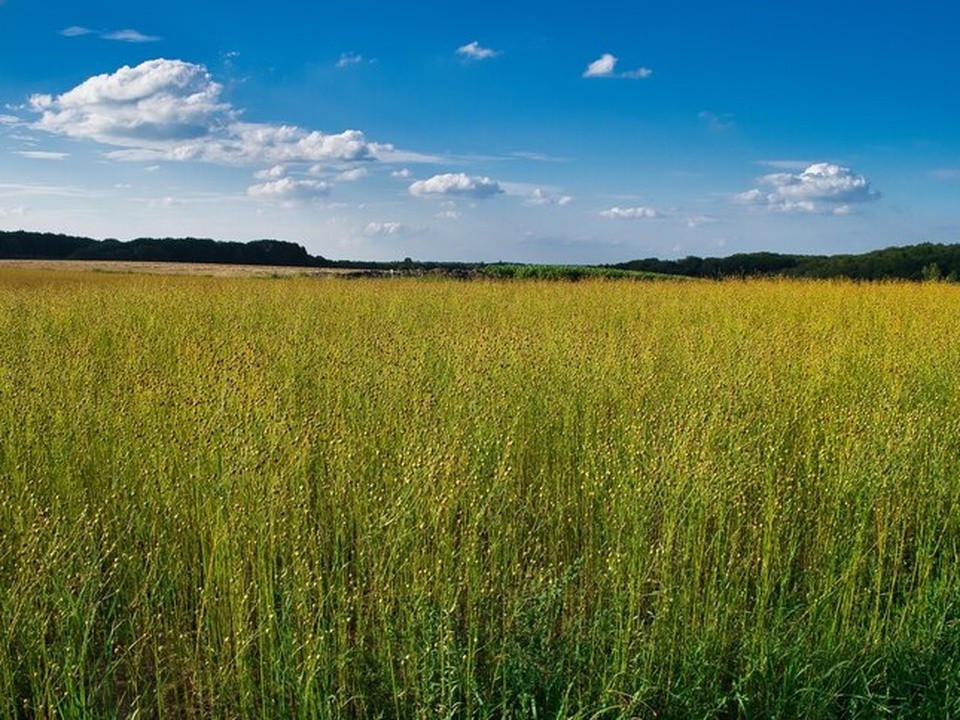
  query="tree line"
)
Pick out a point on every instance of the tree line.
point(924, 261)
point(23, 245)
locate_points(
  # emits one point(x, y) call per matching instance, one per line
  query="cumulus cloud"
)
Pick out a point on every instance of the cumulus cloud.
point(353, 174)
point(819, 188)
point(383, 229)
point(402, 173)
point(475, 51)
point(629, 213)
point(605, 66)
point(159, 101)
point(273, 173)
point(130, 36)
point(539, 197)
point(457, 184)
point(171, 110)
point(288, 189)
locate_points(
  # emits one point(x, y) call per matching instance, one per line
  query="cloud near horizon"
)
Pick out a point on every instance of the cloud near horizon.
point(383, 229)
point(629, 213)
point(171, 110)
point(288, 189)
point(820, 188)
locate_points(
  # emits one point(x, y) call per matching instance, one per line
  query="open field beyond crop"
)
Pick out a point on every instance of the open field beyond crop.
point(292, 497)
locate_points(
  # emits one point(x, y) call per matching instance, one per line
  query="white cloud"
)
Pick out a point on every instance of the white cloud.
point(130, 36)
point(605, 66)
point(18, 211)
point(601, 67)
point(389, 154)
point(475, 51)
point(695, 221)
point(75, 31)
point(448, 215)
point(537, 157)
point(819, 188)
point(171, 110)
point(402, 173)
point(383, 228)
point(456, 184)
point(349, 58)
point(9, 120)
point(41, 154)
point(288, 189)
point(540, 197)
point(273, 173)
point(156, 103)
point(629, 213)
point(353, 174)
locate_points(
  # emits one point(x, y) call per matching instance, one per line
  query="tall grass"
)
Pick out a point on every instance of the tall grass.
point(324, 498)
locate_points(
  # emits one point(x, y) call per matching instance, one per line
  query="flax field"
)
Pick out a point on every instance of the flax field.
point(399, 498)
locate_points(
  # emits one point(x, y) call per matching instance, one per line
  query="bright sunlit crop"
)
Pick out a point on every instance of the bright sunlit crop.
point(226, 497)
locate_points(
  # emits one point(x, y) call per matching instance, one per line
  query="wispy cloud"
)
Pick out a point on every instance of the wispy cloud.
point(41, 154)
point(130, 36)
point(457, 184)
point(76, 31)
point(20, 189)
point(717, 122)
point(349, 58)
point(820, 188)
point(475, 51)
point(537, 157)
point(786, 164)
point(605, 67)
point(946, 173)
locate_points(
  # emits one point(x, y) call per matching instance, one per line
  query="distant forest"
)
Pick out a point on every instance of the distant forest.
point(925, 261)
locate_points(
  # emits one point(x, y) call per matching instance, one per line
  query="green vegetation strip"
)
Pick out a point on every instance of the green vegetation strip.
point(293, 498)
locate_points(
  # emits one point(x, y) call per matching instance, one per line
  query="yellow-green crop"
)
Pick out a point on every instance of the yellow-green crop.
point(339, 498)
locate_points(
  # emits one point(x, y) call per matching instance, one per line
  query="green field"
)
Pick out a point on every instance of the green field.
point(298, 498)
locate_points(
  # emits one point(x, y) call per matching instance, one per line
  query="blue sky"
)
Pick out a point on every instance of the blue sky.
point(485, 131)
